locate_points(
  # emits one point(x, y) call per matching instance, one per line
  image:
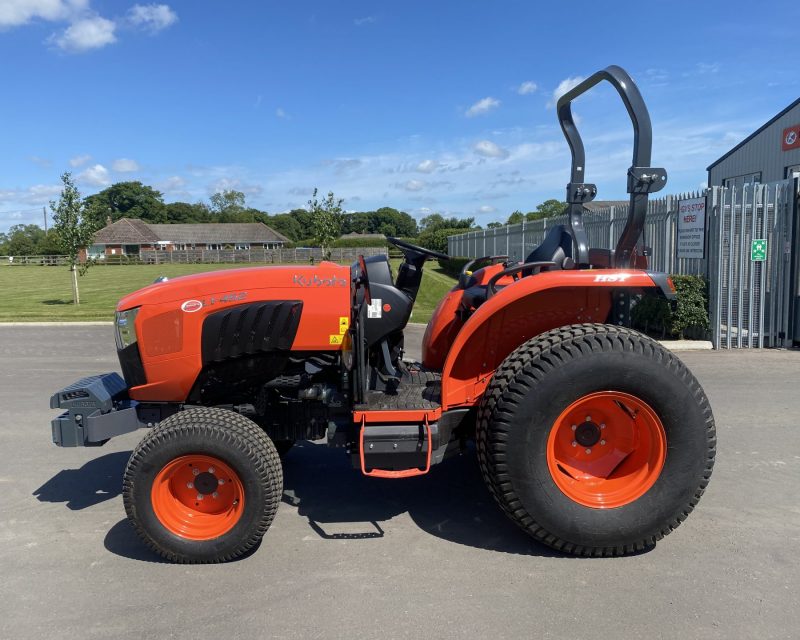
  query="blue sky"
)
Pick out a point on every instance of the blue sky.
point(424, 106)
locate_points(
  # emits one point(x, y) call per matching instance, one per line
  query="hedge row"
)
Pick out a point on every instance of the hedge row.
point(689, 315)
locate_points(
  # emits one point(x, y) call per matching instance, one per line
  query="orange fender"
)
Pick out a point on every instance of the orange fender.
point(522, 310)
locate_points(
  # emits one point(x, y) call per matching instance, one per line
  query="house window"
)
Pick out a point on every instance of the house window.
point(739, 181)
point(213, 247)
point(792, 171)
point(242, 247)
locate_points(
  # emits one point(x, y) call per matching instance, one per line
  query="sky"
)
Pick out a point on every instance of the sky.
point(443, 106)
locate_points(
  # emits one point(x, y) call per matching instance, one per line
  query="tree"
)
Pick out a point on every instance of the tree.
point(547, 209)
point(187, 213)
point(24, 240)
point(494, 225)
point(435, 221)
point(326, 220)
point(228, 202)
point(516, 217)
point(73, 228)
point(126, 200)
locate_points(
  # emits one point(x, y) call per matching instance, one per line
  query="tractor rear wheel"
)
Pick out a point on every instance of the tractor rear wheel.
point(595, 439)
point(203, 486)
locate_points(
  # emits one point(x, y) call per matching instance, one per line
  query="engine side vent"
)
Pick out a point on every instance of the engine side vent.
point(248, 329)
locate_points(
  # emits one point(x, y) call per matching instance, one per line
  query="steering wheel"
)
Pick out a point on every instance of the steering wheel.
point(402, 244)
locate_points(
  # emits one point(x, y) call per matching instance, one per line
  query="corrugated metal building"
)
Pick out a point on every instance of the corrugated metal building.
point(770, 153)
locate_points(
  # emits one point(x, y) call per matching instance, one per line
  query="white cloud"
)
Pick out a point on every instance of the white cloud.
point(564, 86)
point(96, 175)
point(78, 161)
point(152, 17)
point(280, 113)
point(526, 88)
point(41, 193)
point(14, 13)
point(173, 183)
point(44, 163)
point(84, 34)
point(489, 149)
point(360, 22)
point(413, 185)
point(481, 107)
point(227, 184)
point(125, 165)
point(487, 209)
point(427, 166)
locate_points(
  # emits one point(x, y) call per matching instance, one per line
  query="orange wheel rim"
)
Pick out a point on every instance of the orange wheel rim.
point(606, 449)
point(198, 497)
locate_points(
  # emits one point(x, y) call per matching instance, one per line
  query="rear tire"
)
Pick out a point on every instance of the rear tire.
point(214, 453)
point(620, 489)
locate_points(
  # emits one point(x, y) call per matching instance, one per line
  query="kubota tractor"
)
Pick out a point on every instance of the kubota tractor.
point(592, 437)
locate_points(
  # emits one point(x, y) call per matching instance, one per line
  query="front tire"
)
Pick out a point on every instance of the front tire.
point(595, 439)
point(203, 486)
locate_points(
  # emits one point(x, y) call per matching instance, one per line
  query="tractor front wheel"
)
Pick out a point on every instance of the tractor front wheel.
point(595, 439)
point(203, 486)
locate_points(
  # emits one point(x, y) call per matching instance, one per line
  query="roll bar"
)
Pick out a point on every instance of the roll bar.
point(642, 178)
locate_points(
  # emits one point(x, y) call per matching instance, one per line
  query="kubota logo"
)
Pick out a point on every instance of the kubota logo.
point(190, 306)
point(316, 281)
point(612, 277)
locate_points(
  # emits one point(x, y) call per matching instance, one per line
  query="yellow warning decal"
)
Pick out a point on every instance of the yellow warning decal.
point(344, 324)
point(334, 339)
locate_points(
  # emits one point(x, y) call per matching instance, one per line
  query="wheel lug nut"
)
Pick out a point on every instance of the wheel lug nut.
point(196, 472)
point(190, 485)
point(574, 427)
point(602, 442)
point(215, 495)
point(602, 425)
point(221, 481)
point(574, 444)
point(211, 469)
point(200, 496)
point(588, 418)
point(588, 451)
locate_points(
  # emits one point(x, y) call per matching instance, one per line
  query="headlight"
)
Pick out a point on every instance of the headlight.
point(124, 323)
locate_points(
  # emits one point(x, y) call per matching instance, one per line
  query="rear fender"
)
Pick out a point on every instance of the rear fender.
point(523, 310)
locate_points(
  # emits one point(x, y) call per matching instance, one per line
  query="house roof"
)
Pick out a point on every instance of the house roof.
point(754, 134)
point(362, 236)
point(597, 205)
point(126, 231)
point(134, 231)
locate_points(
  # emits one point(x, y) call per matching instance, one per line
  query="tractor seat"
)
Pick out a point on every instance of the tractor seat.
point(556, 247)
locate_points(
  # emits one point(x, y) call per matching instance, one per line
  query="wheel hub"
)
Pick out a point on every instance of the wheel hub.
point(587, 434)
point(206, 483)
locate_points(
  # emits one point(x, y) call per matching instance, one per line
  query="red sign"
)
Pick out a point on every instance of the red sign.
point(791, 138)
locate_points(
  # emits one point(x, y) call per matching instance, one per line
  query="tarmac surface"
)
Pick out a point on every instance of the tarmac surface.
point(426, 557)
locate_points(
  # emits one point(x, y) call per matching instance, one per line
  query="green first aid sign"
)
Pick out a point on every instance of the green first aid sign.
point(758, 250)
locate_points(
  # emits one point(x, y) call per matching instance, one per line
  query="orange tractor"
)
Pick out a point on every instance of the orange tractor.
point(592, 437)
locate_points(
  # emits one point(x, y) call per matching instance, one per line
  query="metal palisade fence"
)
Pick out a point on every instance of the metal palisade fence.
point(750, 299)
point(753, 264)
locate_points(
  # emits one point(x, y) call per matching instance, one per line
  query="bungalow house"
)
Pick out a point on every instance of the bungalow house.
point(129, 236)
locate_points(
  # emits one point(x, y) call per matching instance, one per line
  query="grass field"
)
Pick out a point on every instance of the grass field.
point(35, 293)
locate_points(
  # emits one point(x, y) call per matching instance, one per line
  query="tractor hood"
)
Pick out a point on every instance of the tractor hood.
point(235, 285)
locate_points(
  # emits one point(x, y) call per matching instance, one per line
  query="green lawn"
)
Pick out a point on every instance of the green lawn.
point(35, 293)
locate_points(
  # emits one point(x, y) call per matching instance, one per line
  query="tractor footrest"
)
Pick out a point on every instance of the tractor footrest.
point(396, 450)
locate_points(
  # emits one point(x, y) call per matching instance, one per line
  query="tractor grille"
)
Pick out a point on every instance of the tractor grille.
point(248, 329)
